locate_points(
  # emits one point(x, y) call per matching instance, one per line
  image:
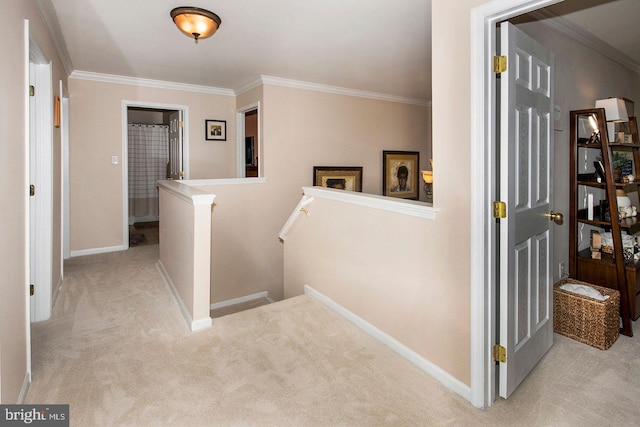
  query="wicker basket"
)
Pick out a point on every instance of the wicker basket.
point(586, 319)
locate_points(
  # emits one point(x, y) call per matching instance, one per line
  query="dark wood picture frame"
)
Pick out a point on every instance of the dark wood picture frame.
point(395, 164)
point(341, 177)
point(215, 130)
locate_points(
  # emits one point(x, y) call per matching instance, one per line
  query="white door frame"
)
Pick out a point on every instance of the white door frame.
point(125, 150)
point(240, 132)
point(483, 139)
point(64, 135)
point(43, 250)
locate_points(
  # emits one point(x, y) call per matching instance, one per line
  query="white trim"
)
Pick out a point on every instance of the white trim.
point(188, 192)
point(124, 155)
point(302, 204)
point(66, 209)
point(241, 170)
point(194, 325)
point(240, 139)
point(26, 383)
point(240, 300)
point(482, 251)
point(248, 86)
point(26, 178)
point(94, 251)
point(436, 372)
point(262, 80)
point(224, 181)
point(391, 204)
point(296, 84)
point(50, 18)
point(158, 84)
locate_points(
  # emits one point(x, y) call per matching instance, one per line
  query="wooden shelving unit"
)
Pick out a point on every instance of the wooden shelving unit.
point(612, 270)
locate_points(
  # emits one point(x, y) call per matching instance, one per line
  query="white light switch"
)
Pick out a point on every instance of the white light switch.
point(114, 160)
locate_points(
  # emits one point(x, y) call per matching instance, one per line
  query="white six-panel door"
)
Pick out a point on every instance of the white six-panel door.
point(526, 148)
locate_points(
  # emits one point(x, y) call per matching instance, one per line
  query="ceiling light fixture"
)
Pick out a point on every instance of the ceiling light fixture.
point(195, 22)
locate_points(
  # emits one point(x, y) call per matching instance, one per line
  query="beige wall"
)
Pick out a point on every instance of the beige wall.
point(300, 129)
point(579, 83)
point(13, 216)
point(246, 255)
point(389, 272)
point(303, 129)
point(96, 135)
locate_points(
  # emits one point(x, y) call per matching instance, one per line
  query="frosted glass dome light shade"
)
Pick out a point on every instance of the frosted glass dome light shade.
point(195, 22)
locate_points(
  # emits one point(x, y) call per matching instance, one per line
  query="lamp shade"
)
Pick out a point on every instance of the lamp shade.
point(615, 109)
point(195, 22)
point(427, 177)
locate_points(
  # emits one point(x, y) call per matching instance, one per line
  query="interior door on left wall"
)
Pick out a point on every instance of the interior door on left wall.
point(32, 200)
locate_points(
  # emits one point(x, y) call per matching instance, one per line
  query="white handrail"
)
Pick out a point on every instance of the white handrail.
point(301, 207)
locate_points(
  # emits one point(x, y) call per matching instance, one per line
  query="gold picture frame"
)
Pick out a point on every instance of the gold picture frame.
point(400, 174)
point(347, 178)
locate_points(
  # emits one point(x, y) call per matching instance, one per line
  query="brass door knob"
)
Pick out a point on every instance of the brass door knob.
point(556, 217)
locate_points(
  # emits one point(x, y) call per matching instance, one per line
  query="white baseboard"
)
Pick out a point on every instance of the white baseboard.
point(94, 251)
point(433, 370)
point(240, 300)
point(194, 325)
point(24, 389)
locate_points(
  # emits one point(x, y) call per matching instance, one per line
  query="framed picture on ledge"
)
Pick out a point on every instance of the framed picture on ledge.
point(340, 177)
point(400, 174)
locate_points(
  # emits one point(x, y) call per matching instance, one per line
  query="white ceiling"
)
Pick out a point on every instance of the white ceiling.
point(381, 46)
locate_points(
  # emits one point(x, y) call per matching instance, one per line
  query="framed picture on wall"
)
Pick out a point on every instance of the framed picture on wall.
point(400, 174)
point(340, 177)
point(216, 130)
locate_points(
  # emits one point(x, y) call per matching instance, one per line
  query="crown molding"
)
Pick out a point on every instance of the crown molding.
point(297, 84)
point(159, 84)
point(583, 36)
point(247, 87)
point(48, 15)
point(262, 80)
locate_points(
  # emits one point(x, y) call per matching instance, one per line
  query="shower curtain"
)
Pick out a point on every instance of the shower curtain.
point(148, 156)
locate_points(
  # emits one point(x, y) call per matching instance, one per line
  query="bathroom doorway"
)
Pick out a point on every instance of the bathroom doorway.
point(154, 148)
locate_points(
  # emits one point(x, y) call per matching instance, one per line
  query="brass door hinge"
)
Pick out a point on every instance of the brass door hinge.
point(32, 90)
point(499, 354)
point(499, 64)
point(181, 173)
point(499, 210)
point(181, 124)
point(32, 289)
point(32, 190)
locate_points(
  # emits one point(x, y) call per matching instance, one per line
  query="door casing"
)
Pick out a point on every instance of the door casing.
point(124, 154)
point(240, 132)
point(483, 191)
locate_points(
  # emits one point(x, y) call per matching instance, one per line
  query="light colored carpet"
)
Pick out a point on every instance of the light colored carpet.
point(119, 352)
